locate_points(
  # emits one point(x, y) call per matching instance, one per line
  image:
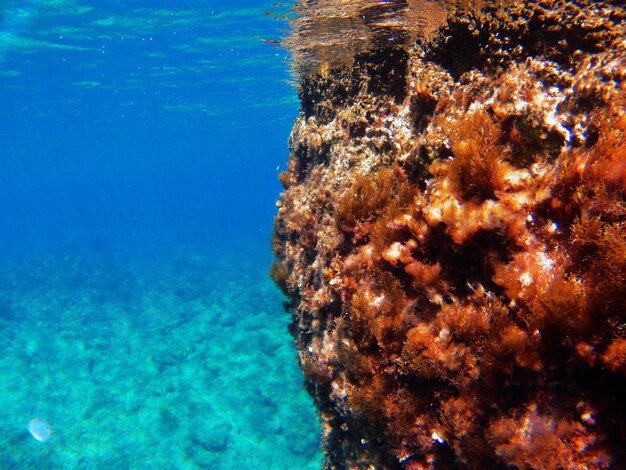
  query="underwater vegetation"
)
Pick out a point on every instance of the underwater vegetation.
point(452, 233)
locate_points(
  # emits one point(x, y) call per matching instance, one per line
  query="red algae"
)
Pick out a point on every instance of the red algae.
point(452, 234)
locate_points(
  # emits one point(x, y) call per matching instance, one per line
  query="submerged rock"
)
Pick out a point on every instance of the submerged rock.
point(452, 234)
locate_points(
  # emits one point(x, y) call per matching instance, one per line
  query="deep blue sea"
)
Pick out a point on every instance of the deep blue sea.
point(140, 143)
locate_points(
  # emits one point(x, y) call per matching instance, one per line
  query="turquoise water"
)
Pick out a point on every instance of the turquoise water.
point(139, 148)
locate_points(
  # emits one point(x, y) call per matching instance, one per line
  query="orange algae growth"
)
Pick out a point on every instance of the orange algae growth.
point(452, 234)
point(365, 198)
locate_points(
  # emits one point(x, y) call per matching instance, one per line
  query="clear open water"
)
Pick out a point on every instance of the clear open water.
point(139, 147)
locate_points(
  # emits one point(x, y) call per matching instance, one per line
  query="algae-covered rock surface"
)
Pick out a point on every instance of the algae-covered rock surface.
point(451, 237)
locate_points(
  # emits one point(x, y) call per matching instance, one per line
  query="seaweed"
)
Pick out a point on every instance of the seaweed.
point(476, 170)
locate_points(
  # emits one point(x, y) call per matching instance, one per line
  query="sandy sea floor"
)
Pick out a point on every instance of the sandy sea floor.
point(173, 359)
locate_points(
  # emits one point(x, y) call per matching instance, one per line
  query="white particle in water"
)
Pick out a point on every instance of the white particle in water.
point(40, 429)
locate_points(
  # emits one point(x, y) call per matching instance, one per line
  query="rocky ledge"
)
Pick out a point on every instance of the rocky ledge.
point(452, 234)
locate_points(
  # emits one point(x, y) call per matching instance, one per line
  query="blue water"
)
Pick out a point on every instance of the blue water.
point(139, 148)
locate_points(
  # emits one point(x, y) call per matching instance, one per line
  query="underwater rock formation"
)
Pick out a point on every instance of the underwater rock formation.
point(452, 234)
